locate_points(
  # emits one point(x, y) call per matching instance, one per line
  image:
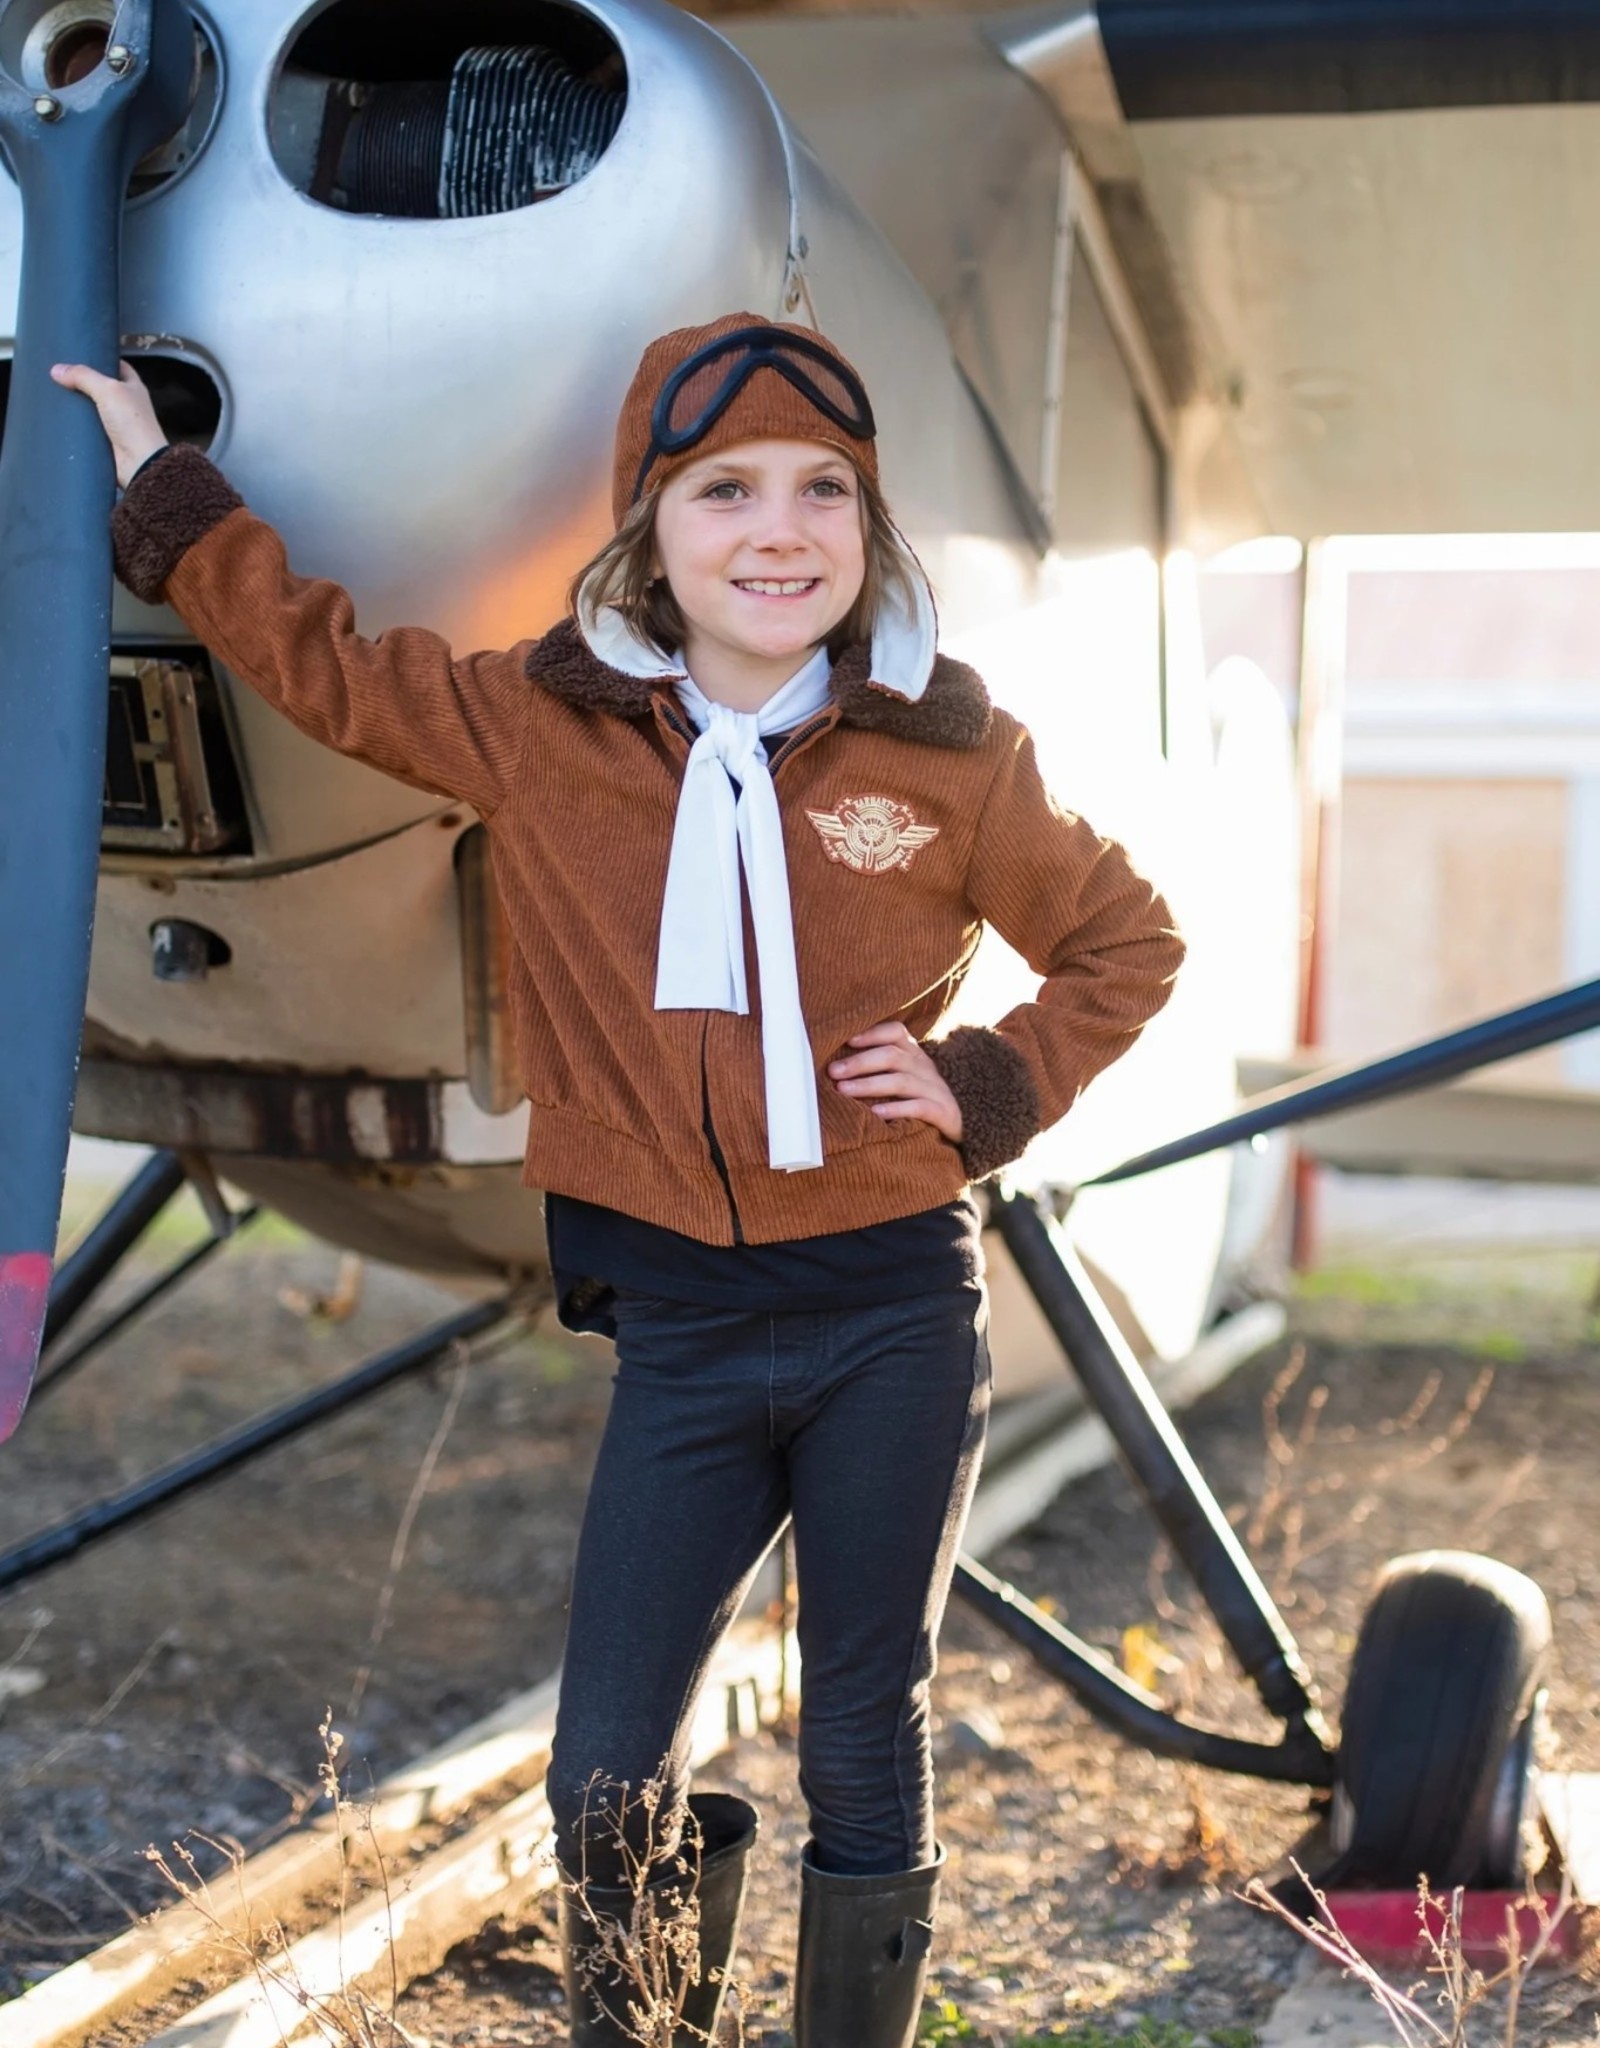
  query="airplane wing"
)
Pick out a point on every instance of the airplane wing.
point(1359, 236)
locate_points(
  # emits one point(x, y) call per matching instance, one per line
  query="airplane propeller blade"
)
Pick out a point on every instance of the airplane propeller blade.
point(70, 145)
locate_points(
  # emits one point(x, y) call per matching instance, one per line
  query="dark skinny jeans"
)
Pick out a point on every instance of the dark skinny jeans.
point(864, 1425)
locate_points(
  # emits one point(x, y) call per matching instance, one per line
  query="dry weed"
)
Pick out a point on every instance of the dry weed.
point(653, 1953)
point(1281, 1507)
point(402, 1537)
point(1297, 1510)
point(348, 2016)
point(1468, 2007)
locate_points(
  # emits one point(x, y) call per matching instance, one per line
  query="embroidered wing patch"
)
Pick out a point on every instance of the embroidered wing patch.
point(871, 834)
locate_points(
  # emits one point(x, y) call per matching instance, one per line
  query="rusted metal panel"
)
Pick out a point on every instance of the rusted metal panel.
point(331, 1117)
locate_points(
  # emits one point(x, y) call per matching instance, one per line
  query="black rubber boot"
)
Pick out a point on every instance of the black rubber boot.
point(864, 1945)
point(598, 2004)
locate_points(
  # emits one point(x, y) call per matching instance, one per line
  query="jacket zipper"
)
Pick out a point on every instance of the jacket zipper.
point(800, 734)
point(710, 1129)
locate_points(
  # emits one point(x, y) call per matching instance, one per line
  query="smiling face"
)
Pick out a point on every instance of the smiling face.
point(764, 549)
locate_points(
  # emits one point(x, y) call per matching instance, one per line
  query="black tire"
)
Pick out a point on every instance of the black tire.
point(1435, 1757)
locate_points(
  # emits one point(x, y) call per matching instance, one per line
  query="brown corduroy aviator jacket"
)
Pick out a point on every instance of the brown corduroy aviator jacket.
point(907, 826)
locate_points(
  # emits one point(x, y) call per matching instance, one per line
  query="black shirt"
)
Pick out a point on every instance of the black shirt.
point(594, 1250)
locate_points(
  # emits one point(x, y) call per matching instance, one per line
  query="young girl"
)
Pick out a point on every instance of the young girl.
point(756, 1167)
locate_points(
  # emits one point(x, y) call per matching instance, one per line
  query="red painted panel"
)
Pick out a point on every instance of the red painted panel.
point(24, 1298)
point(1385, 1926)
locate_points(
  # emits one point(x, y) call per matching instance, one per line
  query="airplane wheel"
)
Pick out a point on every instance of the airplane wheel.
point(1441, 1717)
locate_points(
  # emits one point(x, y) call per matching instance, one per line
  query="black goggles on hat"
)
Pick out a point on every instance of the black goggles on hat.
point(704, 385)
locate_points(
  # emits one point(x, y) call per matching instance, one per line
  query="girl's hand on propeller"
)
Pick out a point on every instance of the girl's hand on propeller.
point(894, 1069)
point(125, 412)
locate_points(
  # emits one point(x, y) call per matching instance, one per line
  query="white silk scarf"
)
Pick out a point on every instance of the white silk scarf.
point(727, 815)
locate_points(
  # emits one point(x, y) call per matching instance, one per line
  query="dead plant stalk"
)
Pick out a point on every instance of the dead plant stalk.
point(652, 1957)
point(1463, 1990)
point(346, 2016)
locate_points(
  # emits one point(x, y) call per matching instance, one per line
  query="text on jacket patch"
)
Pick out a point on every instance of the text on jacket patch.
point(871, 834)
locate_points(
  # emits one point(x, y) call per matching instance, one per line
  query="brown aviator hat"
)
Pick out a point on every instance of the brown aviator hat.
point(740, 378)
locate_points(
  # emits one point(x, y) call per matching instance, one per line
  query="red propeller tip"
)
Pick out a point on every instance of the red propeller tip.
point(24, 1299)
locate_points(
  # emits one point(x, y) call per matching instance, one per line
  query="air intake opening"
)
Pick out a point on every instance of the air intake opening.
point(448, 113)
point(187, 400)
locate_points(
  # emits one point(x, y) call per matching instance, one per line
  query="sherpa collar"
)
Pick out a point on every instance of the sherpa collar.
point(953, 711)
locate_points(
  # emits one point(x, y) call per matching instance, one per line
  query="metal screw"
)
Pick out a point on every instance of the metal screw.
point(120, 58)
point(47, 106)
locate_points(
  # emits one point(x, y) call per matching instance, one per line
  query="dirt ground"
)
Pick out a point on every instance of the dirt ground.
point(174, 1678)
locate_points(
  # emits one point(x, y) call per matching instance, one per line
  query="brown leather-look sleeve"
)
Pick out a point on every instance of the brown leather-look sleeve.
point(402, 702)
point(1079, 912)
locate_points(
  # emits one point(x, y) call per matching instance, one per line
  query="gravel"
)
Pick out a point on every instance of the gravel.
point(175, 1677)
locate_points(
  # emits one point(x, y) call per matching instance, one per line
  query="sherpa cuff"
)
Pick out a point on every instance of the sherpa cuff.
point(167, 507)
point(999, 1104)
